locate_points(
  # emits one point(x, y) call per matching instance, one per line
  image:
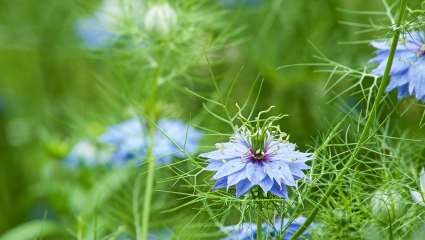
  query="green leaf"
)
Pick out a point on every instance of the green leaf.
point(36, 229)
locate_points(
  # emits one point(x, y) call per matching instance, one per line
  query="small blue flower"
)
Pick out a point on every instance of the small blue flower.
point(94, 33)
point(109, 22)
point(131, 140)
point(408, 70)
point(85, 153)
point(248, 231)
point(271, 163)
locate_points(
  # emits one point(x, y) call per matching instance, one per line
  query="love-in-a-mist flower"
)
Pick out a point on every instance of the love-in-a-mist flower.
point(112, 19)
point(257, 158)
point(408, 69)
point(131, 140)
point(419, 196)
point(279, 230)
point(160, 19)
point(86, 153)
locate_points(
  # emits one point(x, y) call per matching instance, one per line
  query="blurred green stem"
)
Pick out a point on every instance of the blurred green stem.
point(150, 158)
point(365, 133)
point(259, 222)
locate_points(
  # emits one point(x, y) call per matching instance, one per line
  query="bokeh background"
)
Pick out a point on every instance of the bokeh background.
point(54, 90)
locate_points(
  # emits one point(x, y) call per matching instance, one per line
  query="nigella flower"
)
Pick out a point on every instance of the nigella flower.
point(280, 230)
point(86, 153)
point(408, 69)
point(261, 159)
point(109, 22)
point(419, 197)
point(131, 140)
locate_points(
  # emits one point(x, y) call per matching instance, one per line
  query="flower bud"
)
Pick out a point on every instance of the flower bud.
point(386, 205)
point(160, 19)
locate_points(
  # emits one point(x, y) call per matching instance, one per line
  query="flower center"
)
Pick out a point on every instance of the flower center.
point(257, 155)
point(422, 51)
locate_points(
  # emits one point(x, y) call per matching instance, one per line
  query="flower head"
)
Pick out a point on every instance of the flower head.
point(408, 70)
point(131, 140)
point(107, 24)
point(248, 231)
point(260, 157)
point(419, 197)
point(160, 19)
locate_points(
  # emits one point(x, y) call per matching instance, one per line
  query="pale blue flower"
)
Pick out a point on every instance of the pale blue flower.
point(85, 153)
point(112, 20)
point(131, 140)
point(94, 33)
point(408, 69)
point(273, 167)
point(280, 230)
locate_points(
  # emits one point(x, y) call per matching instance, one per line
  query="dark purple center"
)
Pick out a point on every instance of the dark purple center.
point(257, 156)
point(422, 51)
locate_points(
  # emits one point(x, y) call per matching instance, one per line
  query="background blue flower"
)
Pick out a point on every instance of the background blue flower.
point(248, 231)
point(131, 140)
point(408, 70)
point(94, 33)
point(237, 163)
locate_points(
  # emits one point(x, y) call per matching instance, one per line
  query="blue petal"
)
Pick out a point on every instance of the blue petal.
point(243, 187)
point(417, 79)
point(229, 168)
point(402, 61)
point(397, 81)
point(279, 191)
point(221, 183)
point(236, 177)
point(403, 91)
point(214, 165)
point(255, 172)
point(266, 184)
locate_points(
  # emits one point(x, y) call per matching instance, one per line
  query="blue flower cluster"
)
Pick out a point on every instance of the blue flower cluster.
point(283, 229)
point(273, 168)
point(129, 140)
point(408, 70)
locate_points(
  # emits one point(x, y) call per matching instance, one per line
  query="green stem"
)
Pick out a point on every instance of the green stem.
point(136, 216)
point(150, 159)
point(365, 133)
point(259, 222)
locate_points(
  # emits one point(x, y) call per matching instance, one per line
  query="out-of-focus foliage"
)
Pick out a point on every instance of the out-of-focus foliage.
point(55, 91)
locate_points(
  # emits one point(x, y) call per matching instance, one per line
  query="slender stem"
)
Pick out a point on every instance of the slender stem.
point(365, 133)
point(150, 158)
point(149, 187)
point(259, 222)
point(136, 215)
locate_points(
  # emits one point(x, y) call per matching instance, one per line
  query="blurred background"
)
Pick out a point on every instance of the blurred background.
point(55, 90)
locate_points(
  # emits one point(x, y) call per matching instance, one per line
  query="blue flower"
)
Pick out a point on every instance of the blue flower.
point(131, 140)
point(109, 22)
point(94, 33)
point(271, 163)
point(248, 231)
point(85, 153)
point(408, 70)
